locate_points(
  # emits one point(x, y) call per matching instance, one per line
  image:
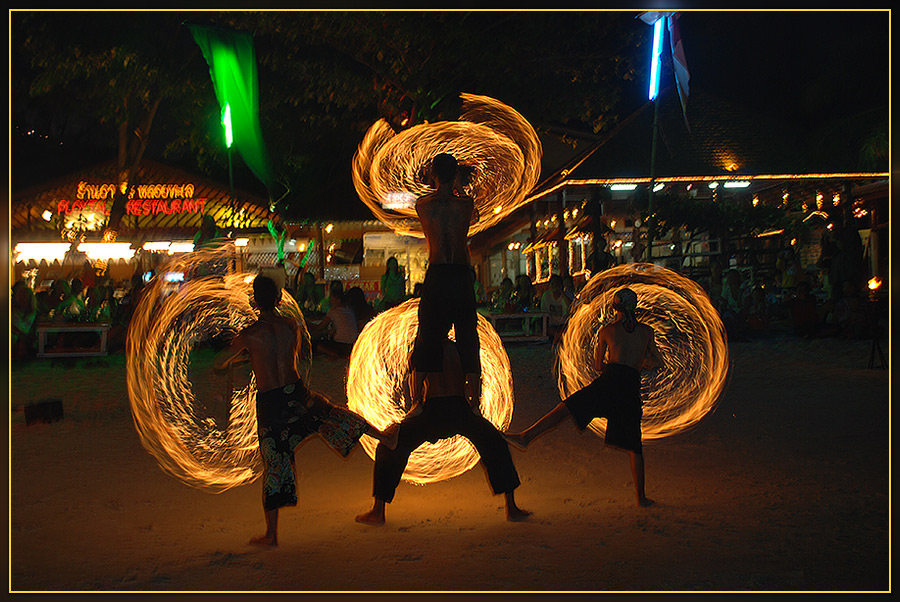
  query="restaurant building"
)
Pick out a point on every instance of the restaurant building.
point(729, 158)
point(56, 228)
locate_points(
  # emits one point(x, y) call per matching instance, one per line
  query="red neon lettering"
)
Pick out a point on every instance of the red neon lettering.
point(147, 207)
point(176, 205)
point(62, 207)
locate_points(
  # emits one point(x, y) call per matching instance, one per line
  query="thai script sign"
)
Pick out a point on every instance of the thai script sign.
point(143, 199)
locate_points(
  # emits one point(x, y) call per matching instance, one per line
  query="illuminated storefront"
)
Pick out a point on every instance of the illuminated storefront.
point(56, 227)
point(729, 157)
point(56, 230)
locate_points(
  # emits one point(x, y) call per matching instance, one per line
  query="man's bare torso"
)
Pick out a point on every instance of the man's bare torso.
point(445, 220)
point(273, 346)
point(623, 347)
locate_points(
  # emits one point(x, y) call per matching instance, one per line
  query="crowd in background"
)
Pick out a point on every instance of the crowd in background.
point(85, 298)
point(830, 300)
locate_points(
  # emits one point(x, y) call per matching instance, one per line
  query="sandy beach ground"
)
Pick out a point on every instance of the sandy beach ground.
point(785, 487)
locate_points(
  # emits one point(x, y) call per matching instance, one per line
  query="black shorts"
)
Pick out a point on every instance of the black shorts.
point(616, 396)
point(448, 299)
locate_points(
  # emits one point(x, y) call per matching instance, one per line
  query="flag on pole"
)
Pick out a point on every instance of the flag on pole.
point(232, 66)
point(679, 62)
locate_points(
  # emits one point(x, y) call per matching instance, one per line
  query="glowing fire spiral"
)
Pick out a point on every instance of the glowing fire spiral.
point(167, 323)
point(496, 142)
point(376, 390)
point(688, 332)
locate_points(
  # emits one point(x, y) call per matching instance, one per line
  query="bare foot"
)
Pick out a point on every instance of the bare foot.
point(516, 514)
point(372, 517)
point(645, 502)
point(517, 440)
point(269, 541)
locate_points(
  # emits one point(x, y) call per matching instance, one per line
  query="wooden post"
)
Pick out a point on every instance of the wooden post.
point(561, 233)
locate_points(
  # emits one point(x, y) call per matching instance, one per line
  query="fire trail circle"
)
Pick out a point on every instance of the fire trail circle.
point(491, 140)
point(688, 332)
point(170, 320)
point(376, 389)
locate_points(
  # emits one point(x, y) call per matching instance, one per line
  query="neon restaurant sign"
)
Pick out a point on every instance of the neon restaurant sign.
point(144, 199)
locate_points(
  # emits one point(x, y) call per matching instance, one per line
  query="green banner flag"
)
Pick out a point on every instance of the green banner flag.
point(232, 66)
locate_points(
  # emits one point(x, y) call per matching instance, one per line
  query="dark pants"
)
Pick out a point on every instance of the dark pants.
point(448, 299)
point(444, 417)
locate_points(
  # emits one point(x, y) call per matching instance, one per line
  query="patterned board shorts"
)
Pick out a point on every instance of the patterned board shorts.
point(285, 417)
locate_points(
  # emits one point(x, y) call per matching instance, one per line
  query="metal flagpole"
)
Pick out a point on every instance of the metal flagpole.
point(650, 219)
point(229, 139)
point(655, 69)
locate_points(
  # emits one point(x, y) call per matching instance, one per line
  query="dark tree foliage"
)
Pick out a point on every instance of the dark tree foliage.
point(104, 80)
point(324, 78)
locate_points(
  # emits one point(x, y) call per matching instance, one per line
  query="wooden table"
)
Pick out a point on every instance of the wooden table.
point(523, 326)
point(43, 328)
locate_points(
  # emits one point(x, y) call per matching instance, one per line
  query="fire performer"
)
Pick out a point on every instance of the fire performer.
point(448, 293)
point(615, 394)
point(444, 412)
point(287, 411)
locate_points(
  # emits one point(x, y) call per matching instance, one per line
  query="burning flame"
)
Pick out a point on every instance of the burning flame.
point(688, 332)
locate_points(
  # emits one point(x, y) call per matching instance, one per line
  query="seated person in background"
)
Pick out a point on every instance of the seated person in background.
point(480, 296)
point(356, 301)
point(524, 295)
point(337, 332)
point(502, 301)
point(307, 294)
point(99, 306)
point(758, 311)
point(72, 305)
point(733, 305)
point(335, 287)
point(555, 302)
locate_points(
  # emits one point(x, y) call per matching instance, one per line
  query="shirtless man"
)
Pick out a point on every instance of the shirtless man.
point(448, 293)
point(625, 347)
point(287, 411)
point(444, 413)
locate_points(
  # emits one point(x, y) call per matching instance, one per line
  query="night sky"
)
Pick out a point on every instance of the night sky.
point(808, 68)
point(803, 66)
